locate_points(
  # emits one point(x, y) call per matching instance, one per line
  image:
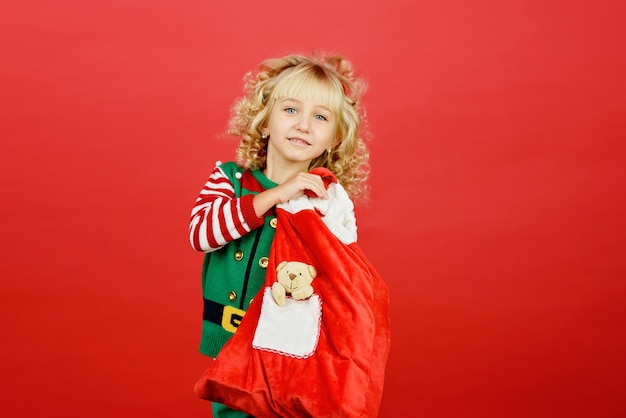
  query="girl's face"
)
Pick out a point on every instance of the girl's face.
point(299, 130)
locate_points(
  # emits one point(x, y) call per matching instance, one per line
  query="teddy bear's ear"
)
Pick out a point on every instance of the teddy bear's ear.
point(281, 265)
point(312, 271)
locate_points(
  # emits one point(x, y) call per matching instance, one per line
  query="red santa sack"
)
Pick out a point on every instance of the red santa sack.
point(323, 352)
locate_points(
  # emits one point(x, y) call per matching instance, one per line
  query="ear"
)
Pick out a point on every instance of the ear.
point(312, 271)
point(281, 265)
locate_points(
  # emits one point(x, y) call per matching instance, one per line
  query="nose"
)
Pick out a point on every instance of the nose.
point(292, 276)
point(302, 124)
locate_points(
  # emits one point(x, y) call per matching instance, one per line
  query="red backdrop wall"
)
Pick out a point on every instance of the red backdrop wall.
point(497, 213)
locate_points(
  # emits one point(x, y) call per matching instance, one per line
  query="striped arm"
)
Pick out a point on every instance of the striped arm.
point(218, 217)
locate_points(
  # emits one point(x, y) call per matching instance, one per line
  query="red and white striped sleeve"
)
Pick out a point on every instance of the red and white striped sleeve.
point(219, 217)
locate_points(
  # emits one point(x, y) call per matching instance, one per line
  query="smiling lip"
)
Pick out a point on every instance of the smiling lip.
point(298, 141)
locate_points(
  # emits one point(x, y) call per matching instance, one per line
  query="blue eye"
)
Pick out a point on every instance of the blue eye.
point(321, 117)
point(290, 110)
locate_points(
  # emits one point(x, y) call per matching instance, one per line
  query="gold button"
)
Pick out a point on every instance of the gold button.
point(273, 222)
point(232, 296)
point(263, 262)
point(239, 255)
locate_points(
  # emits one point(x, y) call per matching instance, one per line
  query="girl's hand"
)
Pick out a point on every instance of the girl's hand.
point(296, 186)
point(288, 190)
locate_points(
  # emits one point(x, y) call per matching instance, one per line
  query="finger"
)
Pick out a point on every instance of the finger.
point(319, 188)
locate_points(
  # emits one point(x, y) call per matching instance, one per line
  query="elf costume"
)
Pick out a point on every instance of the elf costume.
point(232, 276)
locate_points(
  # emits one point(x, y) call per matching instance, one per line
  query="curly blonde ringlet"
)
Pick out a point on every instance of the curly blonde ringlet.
point(324, 79)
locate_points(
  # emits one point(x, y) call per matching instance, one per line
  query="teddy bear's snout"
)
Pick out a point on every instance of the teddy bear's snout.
point(292, 276)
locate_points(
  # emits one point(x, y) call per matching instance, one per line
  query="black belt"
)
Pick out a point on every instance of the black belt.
point(228, 317)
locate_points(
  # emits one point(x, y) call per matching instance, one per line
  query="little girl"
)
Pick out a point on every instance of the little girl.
point(299, 112)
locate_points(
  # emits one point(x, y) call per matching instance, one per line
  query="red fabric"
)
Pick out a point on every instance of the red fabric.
point(344, 376)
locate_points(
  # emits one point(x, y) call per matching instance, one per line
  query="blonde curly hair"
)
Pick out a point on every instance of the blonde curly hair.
point(299, 76)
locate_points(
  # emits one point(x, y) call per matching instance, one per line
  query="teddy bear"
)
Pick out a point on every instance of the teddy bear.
point(294, 278)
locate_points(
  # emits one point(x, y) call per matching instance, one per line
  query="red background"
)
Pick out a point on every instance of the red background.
point(497, 213)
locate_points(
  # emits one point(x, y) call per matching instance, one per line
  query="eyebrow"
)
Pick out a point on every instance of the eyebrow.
point(291, 99)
